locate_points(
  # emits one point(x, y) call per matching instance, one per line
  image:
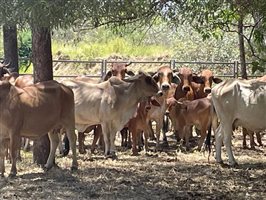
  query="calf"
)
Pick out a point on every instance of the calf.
point(139, 124)
point(187, 113)
point(24, 113)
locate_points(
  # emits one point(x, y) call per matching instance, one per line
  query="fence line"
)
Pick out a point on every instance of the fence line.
point(234, 66)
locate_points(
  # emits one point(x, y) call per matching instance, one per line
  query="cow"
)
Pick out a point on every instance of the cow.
point(184, 89)
point(110, 103)
point(251, 133)
point(192, 87)
point(117, 69)
point(204, 85)
point(32, 112)
point(139, 124)
point(187, 113)
point(238, 103)
point(164, 78)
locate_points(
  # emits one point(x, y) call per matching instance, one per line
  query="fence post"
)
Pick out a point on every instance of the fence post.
point(236, 69)
point(172, 64)
point(103, 68)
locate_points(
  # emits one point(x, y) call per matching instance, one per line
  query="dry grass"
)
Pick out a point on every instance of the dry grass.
point(169, 174)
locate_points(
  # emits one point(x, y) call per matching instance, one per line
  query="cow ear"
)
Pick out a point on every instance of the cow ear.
point(130, 73)
point(155, 103)
point(197, 79)
point(217, 80)
point(176, 79)
point(107, 76)
point(156, 77)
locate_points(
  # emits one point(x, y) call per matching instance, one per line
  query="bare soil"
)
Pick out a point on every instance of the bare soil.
point(169, 174)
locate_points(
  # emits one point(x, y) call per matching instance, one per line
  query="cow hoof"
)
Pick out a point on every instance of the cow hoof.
point(12, 175)
point(82, 151)
point(46, 168)
point(135, 154)
point(74, 168)
point(233, 165)
point(165, 144)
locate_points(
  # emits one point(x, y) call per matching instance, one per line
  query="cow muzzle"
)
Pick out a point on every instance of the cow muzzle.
point(186, 88)
point(165, 87)
point(207, 90)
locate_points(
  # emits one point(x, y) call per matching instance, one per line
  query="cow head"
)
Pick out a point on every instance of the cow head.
point(146, 84)
point(119, 70)
point(3, 69)
point(187, 77)
point(165, 77)
point(207, 79)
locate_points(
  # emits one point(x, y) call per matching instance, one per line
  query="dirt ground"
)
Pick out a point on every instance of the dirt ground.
point(169, 174)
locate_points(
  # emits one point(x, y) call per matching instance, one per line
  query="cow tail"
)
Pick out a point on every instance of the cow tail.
point(213, 126)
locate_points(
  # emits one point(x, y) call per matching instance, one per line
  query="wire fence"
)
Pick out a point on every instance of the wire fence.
point(98, 68)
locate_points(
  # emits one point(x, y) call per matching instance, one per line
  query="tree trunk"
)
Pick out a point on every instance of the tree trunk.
point(11, 46)
point(242, 49)
point(43, 71)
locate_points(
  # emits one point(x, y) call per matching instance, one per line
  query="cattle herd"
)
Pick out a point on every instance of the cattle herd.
point(130, 104)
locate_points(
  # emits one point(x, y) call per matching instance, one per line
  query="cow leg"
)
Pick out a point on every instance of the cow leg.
point(14, 146)
point(96, 137)
point(258, 136)
point(165, 128)
point(218, 144)
point(146, 136)
point(54, 140)
point(158, 131)
point(251, 138)
point(26, 146)
point(81, 140)
point(106, 138)
point(112, 144)
point(134, 141)
point(227, 136)
point(244, 132)
point(151, 134)
point(70, 131)
point(203, 133)
point(3, 149)
point(186, 134)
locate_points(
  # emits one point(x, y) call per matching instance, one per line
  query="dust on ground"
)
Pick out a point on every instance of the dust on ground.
point(169, 174)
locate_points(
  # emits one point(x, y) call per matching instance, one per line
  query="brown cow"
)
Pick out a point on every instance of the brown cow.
point(112, 102)
point(202, 89)
point(119, 70)
point(24, 113)
point(187, 113)
point(139, 124)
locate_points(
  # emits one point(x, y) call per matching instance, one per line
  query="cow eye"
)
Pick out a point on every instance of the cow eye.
point(148, 79)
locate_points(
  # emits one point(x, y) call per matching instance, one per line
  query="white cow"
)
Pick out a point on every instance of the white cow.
point(110, 103)
point(238, 103)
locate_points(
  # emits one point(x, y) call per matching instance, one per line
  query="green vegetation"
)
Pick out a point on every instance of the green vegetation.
point(182, 44)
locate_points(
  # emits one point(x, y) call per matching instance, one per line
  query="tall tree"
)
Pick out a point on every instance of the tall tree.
point(43, 71)
point(10, 46)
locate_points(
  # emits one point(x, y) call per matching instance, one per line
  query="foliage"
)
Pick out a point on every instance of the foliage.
point(24, 49)
point(182, 43)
